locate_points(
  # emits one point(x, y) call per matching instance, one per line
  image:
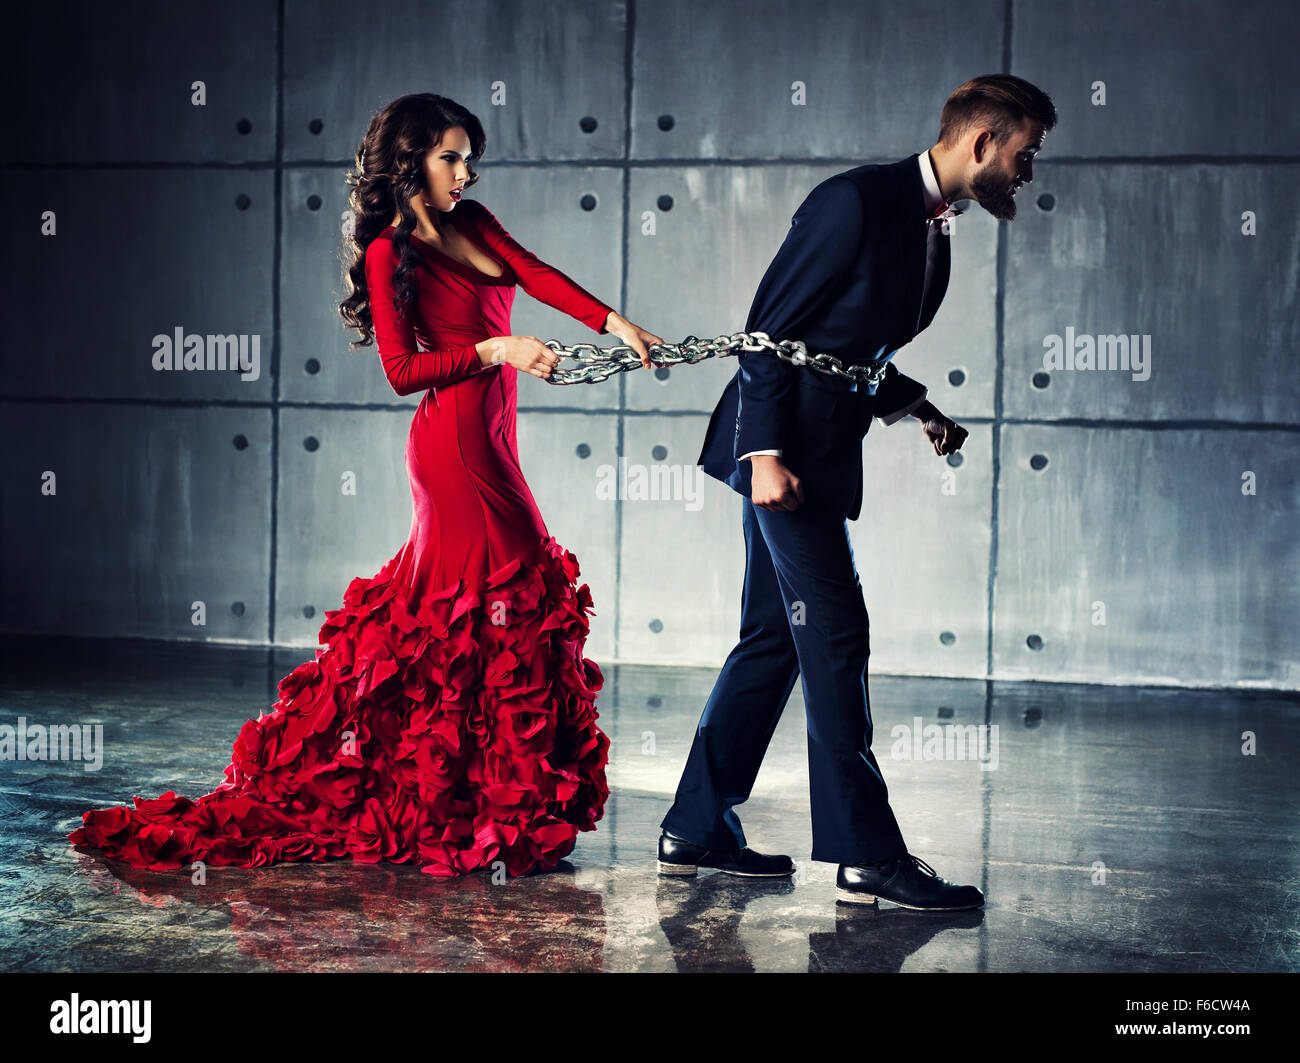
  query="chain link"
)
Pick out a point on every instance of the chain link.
point(598, 363)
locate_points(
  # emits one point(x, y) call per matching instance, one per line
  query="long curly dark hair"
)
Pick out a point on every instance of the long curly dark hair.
point(389, 171)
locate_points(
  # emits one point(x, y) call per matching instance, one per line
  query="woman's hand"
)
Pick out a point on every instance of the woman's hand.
point(526, 353)
point(633, 335)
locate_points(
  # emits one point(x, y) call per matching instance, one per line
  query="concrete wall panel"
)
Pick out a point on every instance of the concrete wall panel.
point(546, 81)
point(96, 293)
point(343, 509)
point(116, 520)
point(729, 76)
point(1157, 256)
point(1181, 77)
point(921, 546)
point(562, 455)
point(113, 84)
point(1133, 554)
point(683, 552)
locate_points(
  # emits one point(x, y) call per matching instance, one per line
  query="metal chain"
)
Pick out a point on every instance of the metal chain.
point(598, 363)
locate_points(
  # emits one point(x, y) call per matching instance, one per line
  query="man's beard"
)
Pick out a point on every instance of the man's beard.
point(992, 190)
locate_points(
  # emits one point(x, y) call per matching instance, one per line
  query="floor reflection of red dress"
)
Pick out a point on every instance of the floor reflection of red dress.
point(378, 918)
point(473, 926)
point(449, 717)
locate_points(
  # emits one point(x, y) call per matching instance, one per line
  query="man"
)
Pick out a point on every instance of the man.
point(862, 270)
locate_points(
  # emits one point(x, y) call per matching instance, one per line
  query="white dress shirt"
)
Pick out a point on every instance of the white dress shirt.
point(933, 197)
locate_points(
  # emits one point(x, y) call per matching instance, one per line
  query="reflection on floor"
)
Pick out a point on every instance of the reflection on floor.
point(1111, 829)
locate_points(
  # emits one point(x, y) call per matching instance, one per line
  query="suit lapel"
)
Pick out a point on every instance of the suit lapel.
point(922, 305)
point(911, 212)
point(900, 259)
point(938, 283)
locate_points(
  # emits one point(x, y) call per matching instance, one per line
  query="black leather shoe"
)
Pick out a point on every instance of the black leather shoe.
point(680, 857)
point(906, 880)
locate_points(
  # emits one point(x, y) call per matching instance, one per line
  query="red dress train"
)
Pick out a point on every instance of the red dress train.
point(449, 717)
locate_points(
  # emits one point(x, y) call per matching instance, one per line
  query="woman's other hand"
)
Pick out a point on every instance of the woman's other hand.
point(633, 335)
point(526, 353)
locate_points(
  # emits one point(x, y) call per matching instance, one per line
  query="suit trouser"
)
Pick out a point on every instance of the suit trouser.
point(802, 613)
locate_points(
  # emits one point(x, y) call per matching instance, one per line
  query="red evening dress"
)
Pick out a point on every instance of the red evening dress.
point(449, 717)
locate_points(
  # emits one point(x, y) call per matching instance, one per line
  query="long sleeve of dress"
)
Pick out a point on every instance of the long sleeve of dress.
point(543, 282)
point(408, 368)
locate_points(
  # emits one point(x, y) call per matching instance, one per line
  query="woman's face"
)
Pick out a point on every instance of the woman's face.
point(445, 171)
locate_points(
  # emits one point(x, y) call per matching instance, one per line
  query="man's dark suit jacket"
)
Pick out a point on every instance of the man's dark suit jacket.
point(847, 281)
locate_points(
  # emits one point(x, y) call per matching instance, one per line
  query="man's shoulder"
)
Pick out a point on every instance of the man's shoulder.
point(876, 177)
point(876, 187)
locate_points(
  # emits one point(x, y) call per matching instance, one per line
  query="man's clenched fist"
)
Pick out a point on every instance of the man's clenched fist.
point(945, 434)
point(772, 485)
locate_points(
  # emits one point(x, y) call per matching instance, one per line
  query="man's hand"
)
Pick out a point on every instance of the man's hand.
point(772, 485)
point(945, 434)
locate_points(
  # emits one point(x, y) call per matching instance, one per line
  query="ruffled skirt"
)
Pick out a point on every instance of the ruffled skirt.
point(459, 734)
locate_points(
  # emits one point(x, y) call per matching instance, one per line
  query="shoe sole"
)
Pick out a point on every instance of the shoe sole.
point(855, 897)
point(689, 870)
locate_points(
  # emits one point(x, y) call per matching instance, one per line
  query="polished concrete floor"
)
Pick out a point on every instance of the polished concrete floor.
point(1111, 829)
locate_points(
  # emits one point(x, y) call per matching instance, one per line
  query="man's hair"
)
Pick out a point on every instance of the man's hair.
point(1000, 102)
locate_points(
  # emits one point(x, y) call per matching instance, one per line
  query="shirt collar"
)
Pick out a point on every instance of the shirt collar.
point(930, 181)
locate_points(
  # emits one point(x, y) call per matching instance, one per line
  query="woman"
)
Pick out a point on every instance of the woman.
point(449, 719)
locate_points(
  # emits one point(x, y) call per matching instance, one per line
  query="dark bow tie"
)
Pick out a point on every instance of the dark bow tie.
point(944, 212)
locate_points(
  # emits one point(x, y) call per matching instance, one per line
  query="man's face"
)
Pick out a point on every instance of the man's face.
point(1007, 168)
